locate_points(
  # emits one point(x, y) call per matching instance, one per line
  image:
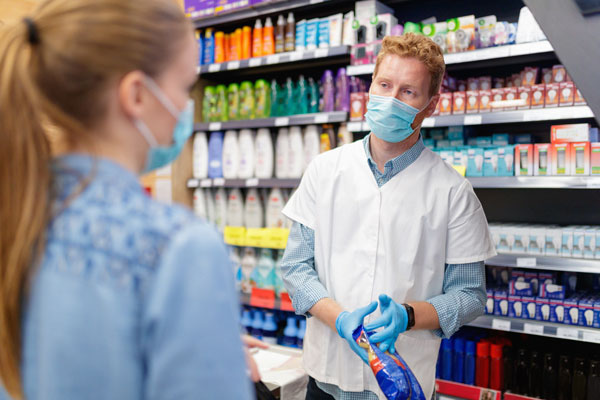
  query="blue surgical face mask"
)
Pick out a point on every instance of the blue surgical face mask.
point(159, 156)
point(390, 119)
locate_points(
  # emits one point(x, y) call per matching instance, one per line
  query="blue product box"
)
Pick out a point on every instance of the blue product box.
point(490, 162)
point(447, 155)
point(557, 311)
point(442, 144)
point(529, 307)
point(429, 143)
point(484, 141)
point(517, 275)
point(523, 138)
point(500, 139)
point(515, 307)
point(323, 32)
point(489, 305)
point(312, 34)
point(546, 277)
point(472, 142)
point(506, 160)
point(542, 309)
point(569, 281)
point(475, 162)
point(552, 291)
point(532, 277)
point(456, 133)
point(586, 312)
point(571, 311)
point(501, 303)
point(596, 304)
point(520, 288)
point(503, 274)
point(594, 137)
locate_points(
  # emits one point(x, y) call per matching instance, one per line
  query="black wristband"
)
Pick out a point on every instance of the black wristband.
point(411, 316)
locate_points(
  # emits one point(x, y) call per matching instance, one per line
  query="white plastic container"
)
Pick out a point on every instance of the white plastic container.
point(264, 154)
point(231, 155)
point(220, 209)
point(275, 204)
point(246, 146)
point(312, 144)
point(200, 208)
point(282, 153)
point(295, 153)
point(200, 152)
point(235, 208)
point(253, 210)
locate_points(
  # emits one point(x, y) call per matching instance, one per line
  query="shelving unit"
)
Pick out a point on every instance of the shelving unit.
point(539, 328)
point(532, 261)
point(243, 183)
point(292, 120)
point(536, 182)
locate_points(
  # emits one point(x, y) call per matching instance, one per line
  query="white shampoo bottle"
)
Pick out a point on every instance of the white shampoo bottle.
point(253, 210)
point(282, 154)
point(231, 155)
point(246, 145)
point(235, 208)
point(274, 217)
point(295, 153)
point(264, 154)
point(220, 209)
point(312, 144)
point(200, 150)
point(200, 208)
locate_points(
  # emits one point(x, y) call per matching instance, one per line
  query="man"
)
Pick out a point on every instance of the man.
point(385, 218)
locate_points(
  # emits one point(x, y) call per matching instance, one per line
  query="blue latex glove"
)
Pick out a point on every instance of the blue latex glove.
point(394, 319)
point(346, 323)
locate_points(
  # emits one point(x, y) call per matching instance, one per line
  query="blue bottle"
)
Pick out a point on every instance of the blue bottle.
point(301, 332)
point(257, 324)
point(458, 368)
point(269, 329)
point(469, 362)
point(438, 365)
point(209, 46)
point(447, 359)
point(247, 321)
point(215, 155)
point(290, 333)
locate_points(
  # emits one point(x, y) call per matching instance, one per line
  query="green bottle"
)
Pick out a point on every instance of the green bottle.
point(262, 98)
point(208, 102)
point(233, 101)
point(246, 100)
point(288, 103)
point(313, 96)
point(274, 102)
point(301, 96)
point(222, 114)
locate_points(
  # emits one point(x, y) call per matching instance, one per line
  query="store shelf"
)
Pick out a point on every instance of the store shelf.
point(461, 391)
point(536, 182)
point(282, 58)
point(302, 119)
point(532, 261)
point(548, 329)
point(500, 117)
point(500, 52)
point(243, 183)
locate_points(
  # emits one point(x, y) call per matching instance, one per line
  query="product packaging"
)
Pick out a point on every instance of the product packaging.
point(537, 241)
point(497, 99)
point(578, 241)
point(312, 34)
point(542, 159)
point(524, 160)
point(529, 307)
point(515, 306)
point(461, 34)
point(580, 158)
point(500, 139)
point(529, 76)
point(473, 84)
point(542, 309)
point(510, 94)
point(547, 76)
point(570, 133)
point(552, 94)
point(472, 101)
point(485, 30)
point(538, 96)
point(490, 162)
point(567, 94)
point(475, 162)
point(301, 35)
point(323, 33)
point(559, 74)
point(595, 158)
point(437, 32)
point(458, 102)
point(524, 95)
point(561, 159)
point(500, 303)
point(506, 160)
point(445, 103)
point(335, 29)
point(579, 100)
point(485, 99)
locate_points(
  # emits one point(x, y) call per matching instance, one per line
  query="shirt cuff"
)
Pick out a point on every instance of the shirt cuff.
point(307, 296)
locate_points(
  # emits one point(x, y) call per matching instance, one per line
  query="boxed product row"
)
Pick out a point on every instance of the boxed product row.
point(281, 328)
point(257, 270)
point(257, 209)
point(246, 154)
point(549, 240)
point(263, 99)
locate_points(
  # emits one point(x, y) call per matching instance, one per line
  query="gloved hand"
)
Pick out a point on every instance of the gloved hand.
point(346, 323)
point(395, 320)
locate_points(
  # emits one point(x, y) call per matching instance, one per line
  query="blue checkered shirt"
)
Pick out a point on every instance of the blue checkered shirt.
point(464, 294)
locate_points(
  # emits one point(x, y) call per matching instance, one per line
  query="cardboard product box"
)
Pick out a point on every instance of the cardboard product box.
point(510, 94)
point(516, 80)
point(524, 93)
point(489, 305)
point(595, 158)
point(596, 308)
point(485, 83)
point(472, 101)
point(586, 312)
point(475, 162)
point(497, 96)
point(542, 159)
point(580, 158)
point(506, 164)
point(501, 303)
point(578, 241)
point(500, 139)
point(529, 76)
point(567, 94)
point(570, 133)
point(546, 75)
point(524, 160)
point(597, 252)
point(566, 245)
point(557, 311)
point(542, 309)
point(552, 95)
point(579, 100)
point(538, 96)
point(520, 244)
point(498, 83)
point(529, 307)
point(515, 307)
point(473, 84)
point(459, 102)
point(571, 312)
point(552, 291)
point(559, 74)
point(199, 8)
point(520, 288)
point(532, 276)
point(589, 243)
point(553, 241)
point(461, 86)
point(547, 277)
point(370, 8)
point(537, 241)
point(358, 106)
point(461, 34)
point(490, 162)
point(485, 98)
point(437, 109)
point(445, 103)
point(359, 54)
point(504, 244)
point(561, 159)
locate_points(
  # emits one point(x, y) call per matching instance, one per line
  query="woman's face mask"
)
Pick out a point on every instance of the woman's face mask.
point(391, 119)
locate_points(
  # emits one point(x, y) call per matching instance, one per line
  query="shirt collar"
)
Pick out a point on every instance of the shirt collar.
point(399, 163)
point(82, 165)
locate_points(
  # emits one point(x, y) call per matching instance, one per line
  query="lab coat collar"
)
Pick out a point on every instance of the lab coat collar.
point(400, 163)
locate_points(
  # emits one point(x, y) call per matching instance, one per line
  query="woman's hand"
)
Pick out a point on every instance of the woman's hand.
point(250, 343)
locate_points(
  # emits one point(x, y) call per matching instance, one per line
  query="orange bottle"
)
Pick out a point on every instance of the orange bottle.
point(233, 47)
point(246, 42)
point(268, 39)
point(238, 44)
point(219, 47)
point(227, 46)
point(257, 39)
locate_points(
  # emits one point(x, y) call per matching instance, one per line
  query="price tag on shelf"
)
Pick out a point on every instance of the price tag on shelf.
point(321, 119)
point(192, 183)
point(276, 238)
point(233, 65)
point(296, 55)
point(214, 67)
point(255, 62)
point(592, 337)
point(472, 120)
point(354, 126)
point(273, 59)
point(256, 237)
point(567, 333)
point(252, 182)
point(320, 53)
point(235, 235)
point(533, 329)
point(316, 1)
point(205, 183)
point(286, 302)
point(214, 126)
point(263, 298)
point(282, 121)
point(526, 261)
point(218, 182)
point(501, 324)
point(428, 122)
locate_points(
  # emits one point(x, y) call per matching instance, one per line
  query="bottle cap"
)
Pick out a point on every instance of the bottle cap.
point(483, 349)
point(268, 22)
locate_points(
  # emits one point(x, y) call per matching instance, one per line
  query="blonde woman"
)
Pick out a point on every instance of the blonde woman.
point(104, 293)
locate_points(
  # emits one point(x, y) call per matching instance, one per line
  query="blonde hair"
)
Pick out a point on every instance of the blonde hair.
point(420, 47)
point(55, 68)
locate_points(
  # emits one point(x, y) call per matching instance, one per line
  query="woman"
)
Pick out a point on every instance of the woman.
point(104, 293)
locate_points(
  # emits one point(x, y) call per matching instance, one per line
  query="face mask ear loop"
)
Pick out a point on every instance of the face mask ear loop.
point(164, 100)
point(145, 131)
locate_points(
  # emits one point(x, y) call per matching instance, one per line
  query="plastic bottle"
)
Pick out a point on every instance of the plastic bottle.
point(275, 90)
point(236, 264)
point(264, 154)
point(221, 94)
point(257, 39)
point(470, 362)
point(496, 367)
point(290, 333)
point(344, 136)
point(231, 155)
point(233, 101)
point(215, 155)
point(593, 385)
point(235, 208)
point(227, 42)
point(200, 41)
point(313, 95)
point(210, 207)
point(447, 355)
point(269, 329)
point(301, 333)
point(219, 47)
point(263, 274)
point(209, 47)
point(521, 373)
point(328, 92)
point(280, 35)
point(247, 321)
point(274, 216)
point(549, 377)
point(248, 264)
point(257, 324)
point(325, 143)
point(564, 378)
point(458, 367)
point(289, 102)
point(282, 153)
point(342, 91)
point(268, 38)
point(535, 375)
point(199, 203)
point(200, 151)
point(246, 42)
point(295, 161)
point(302, 97)
point(290, 33)
point(262, 99)
point(482, 378)
point(209, 103)
point(507, 369)
point(246, 142)
point(312, 144)
point(278, 282)
point(253, 210)
point(301, 35)
point(579, 391)
point(236, 45)
point(247, 103)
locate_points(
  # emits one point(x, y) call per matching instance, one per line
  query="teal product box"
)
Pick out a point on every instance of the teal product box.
point(490, 162)
point(537, 240)
point(457, 143)
point(589, 243)
point(484, 141)
point(438, 134)
point(557, 311)
point(501, 303)
point(323, 32)
point(506, 161)
point(523, 138)
point(472, 142)
point(489, 305)
point(456, 133)
point(475, 162)
point(578, 241)
point(448, 156)
point(515, 307)
point(500, 139)
point(542, 309)
point(442, 144)
point(529, 307)
point(429, 143)
point(566, 244)
point(461, 158)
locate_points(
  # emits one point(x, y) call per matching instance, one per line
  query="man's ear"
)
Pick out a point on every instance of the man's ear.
point(432, 105)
